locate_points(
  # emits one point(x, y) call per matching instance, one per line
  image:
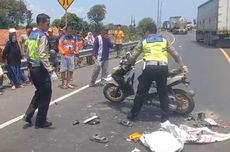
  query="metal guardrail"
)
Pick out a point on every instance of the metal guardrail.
point(88, 52)
point(83, 53)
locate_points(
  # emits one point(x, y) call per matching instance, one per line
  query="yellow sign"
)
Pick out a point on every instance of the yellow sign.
point(65, 3)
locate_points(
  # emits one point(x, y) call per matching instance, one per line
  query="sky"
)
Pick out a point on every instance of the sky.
point(119, 11)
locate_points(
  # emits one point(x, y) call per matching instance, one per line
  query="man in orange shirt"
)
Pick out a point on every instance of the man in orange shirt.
point(119, 38)
point(67, 48)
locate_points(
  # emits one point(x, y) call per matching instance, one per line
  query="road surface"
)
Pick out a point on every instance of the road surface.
point(209, 76)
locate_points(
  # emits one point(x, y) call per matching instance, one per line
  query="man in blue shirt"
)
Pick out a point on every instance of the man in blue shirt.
point(101, 48)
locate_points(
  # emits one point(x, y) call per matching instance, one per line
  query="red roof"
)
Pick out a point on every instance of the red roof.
point(4, 34)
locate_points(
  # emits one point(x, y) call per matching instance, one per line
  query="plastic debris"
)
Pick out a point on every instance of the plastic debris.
point(201, 116)
point(98, 138)
point(190, 118)
point(135, 136)
point(125, 123)
point(76, 122)
point(90, 119)
point(94, 122)
point(211, 121)
point(136, 150)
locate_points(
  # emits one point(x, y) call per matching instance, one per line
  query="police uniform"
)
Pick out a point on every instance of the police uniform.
point(40, 69)
point(155, 51)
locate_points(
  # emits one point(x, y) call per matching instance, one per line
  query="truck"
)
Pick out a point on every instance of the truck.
point(178, 25)
point(166, 25)
point(213, 23)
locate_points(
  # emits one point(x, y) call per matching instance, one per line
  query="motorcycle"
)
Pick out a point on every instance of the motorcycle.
point(121, 87)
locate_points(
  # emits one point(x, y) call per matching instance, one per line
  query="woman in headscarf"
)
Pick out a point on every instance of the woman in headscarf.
point(13, 56)
point(90, 41)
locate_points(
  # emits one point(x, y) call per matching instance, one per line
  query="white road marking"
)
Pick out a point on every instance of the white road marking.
point(12, 121)
point(225, 54)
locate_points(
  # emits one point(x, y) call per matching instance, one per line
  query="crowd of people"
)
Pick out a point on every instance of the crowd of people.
point(64, 48)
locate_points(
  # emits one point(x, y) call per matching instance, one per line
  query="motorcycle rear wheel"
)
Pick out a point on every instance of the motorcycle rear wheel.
point(184, 102)
point(113, 93)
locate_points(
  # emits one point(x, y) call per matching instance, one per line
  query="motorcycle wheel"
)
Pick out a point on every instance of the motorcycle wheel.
point(185, 103)
point(112, 94)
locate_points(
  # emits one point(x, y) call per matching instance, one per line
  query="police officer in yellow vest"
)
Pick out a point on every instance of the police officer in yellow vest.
point(155, 49)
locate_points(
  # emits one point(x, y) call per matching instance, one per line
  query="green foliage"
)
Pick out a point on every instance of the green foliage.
point(145, 22)
point(13, 13)
point(97, 14)
point(78, 24)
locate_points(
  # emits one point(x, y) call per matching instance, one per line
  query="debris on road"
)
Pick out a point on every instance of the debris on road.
point(100, 139)
point(136, 150)
point(56, 103)
point(135, 136)
point(94, 122)
point(125, 123)
point(90, 119)
point(190, 118)
point(76, 122)
point(175, 137)
point(223, 123)
point(162, 141)
point(201, 116)
point(211, 122)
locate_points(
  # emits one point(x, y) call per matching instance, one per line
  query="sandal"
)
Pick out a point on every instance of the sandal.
point(99, 139)
point(70, 86)
point(63, 87)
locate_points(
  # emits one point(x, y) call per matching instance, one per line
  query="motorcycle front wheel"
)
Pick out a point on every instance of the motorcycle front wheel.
point(113, 93)
point(185, 102)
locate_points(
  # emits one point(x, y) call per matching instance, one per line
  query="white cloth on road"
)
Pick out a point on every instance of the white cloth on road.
point(161, 141)
point(173, 138)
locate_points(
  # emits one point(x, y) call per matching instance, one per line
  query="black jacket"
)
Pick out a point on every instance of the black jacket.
point(12, 53)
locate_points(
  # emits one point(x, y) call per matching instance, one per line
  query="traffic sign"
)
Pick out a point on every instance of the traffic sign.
point(65, 3)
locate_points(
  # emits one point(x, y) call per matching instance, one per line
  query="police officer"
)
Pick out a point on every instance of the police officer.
point(41, 72)
point(155, 49)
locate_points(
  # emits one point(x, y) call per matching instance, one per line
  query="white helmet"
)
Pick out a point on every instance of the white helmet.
point(12, 30)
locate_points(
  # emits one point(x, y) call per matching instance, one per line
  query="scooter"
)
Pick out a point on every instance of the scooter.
point(121, 87)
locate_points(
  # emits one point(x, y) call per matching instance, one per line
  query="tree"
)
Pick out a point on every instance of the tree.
point(77, 23)
point(145, 22)
point(13, 13)
point(96, 15)
point(57, 23)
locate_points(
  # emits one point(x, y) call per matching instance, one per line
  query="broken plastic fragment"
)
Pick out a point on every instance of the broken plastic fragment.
point(136, 150)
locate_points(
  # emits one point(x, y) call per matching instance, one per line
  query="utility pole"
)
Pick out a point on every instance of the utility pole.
point(158, 12)
point(66, 19)
point(160, 18)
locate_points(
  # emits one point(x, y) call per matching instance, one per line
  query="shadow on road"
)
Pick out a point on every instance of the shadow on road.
point(148, 113)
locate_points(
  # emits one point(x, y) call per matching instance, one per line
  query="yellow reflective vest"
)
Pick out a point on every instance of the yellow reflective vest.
point(155, 48)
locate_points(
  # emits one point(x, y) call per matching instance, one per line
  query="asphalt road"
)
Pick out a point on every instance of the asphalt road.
point(209, 76)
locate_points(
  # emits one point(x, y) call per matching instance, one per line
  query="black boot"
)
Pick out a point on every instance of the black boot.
point(27, 119)
point(132, 117)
